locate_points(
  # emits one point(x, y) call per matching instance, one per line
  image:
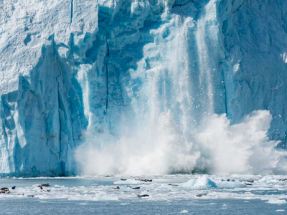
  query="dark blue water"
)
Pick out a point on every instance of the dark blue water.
point(35, 206)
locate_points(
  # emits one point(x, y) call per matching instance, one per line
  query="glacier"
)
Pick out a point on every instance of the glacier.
point(73, 71)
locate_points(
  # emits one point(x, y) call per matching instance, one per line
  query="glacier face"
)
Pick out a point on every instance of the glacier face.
point(68, 67)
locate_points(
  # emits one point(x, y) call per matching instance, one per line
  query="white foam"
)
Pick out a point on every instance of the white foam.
point(93, 198)
point(161, 148)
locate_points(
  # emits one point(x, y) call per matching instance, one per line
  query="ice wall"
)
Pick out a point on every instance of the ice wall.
point(42, 48)
point(74, 67)
point(254, 36)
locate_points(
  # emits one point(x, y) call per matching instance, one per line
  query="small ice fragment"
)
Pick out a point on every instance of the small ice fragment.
point(236, 67)
point(224, 205)
point(125, 203)
point(184, 212)
point(246, 201)
point(276, 201)
point(280, 210)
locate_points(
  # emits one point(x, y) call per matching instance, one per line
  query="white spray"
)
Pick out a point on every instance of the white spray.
point(174, 128)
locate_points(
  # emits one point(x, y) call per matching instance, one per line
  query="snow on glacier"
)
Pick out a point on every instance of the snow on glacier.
point(79, 72)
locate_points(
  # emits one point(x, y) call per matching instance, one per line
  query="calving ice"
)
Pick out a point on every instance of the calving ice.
point(142, 87)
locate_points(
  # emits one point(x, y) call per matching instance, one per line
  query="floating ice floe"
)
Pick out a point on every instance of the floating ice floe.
point(205, 182)
point(189, 187)
point(202, 182)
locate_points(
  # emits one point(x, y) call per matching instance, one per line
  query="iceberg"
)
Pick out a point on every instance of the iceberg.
point(76, 73)
point(205, 182)
point(202, 182)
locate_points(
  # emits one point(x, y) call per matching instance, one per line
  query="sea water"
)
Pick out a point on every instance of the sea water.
point(193, 194)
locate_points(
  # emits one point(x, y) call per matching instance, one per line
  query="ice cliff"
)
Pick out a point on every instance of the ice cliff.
point(68, 67)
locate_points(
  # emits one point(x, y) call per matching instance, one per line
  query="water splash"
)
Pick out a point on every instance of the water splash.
point(171, 126)
point(161, 148)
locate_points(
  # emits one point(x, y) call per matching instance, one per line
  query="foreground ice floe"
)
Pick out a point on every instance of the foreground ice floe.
point(270, 189)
